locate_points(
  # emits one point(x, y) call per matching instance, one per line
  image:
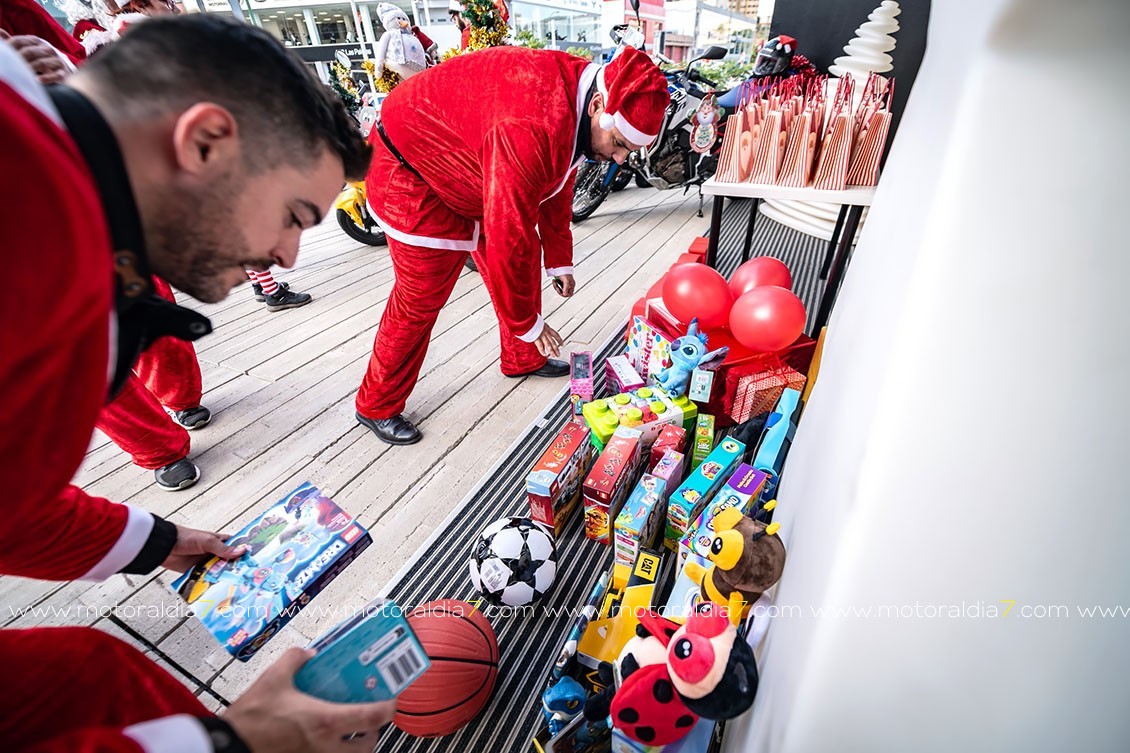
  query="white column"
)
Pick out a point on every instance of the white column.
point(311, 27)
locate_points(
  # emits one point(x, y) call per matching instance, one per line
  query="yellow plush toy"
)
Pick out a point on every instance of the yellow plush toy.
point(746, 559)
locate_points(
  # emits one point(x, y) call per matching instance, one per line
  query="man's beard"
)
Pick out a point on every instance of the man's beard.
point(194, 244)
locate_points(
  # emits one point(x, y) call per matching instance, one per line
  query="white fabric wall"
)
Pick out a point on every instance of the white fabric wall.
point(969, 437)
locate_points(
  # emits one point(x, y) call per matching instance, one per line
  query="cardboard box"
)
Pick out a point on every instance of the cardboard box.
point(641, 519)
point(649, 349)
point(580, 380)
point(295, 549)
point(671, 437)
point(608, 483)
point(758, 393)
point(670, 469)
point(620, 376)
point(699, 488)
point(553, 487)
point(647, 409)
point(742, 490)
point(703, 439)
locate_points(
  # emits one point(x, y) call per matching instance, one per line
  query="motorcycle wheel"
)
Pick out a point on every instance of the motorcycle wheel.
point(588, 190)
point(642, 181)
point(622, 180)
point(368, 235)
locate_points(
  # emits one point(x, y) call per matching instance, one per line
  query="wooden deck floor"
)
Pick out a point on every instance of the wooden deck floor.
point(281, 389)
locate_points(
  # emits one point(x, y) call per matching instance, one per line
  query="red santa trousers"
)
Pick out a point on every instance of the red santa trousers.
point(425, 278)
point(166, 376)
point(74, 689)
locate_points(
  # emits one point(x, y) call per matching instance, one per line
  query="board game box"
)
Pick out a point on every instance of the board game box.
point(294, 550)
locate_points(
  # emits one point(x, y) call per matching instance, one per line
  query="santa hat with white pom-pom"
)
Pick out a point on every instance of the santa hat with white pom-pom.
point(635, 96)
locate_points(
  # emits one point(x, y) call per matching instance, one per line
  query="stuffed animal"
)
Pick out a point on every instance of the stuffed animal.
point(400, 51)
point(711, 666)
point(642, 702)
point(561, 702)
point(747, 558)
point(687, 353)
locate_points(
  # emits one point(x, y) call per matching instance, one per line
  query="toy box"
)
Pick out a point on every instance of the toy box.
point(742, 491)
point(295, 549)
point(648, 409)
point(580, 380)
point(703, 439)
point(776, 439)
point(670, 469)
point(699, 487)
point(554, 485)
point(685, 592)
point(608, 483)
point(641, 519)
point(670, 438)
point(632, 592)
point(649, 350)
point(620, 375)
point(370, 657)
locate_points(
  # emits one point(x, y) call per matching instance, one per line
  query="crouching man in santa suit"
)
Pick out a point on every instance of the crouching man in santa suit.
point(477, 156)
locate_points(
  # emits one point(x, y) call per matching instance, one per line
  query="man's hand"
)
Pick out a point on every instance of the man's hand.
point(193, 544)
point(272, 716)
point(565, 285)
point(45, 60)
point(549, 342)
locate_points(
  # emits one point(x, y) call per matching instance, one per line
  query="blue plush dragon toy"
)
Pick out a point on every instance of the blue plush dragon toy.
point(687, 354)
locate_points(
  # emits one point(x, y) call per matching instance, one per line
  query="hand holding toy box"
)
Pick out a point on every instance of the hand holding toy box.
point(372, 656)
point(620, 375)
point(699, 488)
point(742, 491)
point(294, 550)
point(609, 482)
point(554, 485)
point(641, 519)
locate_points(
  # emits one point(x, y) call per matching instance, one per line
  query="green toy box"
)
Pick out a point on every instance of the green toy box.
point(699, 488)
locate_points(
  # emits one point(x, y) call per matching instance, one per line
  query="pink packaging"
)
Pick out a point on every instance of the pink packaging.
point(621, 376)
point(670, 469)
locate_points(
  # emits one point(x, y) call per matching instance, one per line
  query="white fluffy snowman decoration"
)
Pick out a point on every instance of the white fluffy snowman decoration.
point(400, 50)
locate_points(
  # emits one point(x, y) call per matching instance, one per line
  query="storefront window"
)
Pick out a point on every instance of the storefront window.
point(287, 25)
point(335, 24)
point(558, 28)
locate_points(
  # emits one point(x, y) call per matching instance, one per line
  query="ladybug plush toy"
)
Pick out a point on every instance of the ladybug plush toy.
point(711, 666)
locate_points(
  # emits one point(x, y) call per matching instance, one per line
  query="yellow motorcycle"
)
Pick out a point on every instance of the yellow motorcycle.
point(353, 216)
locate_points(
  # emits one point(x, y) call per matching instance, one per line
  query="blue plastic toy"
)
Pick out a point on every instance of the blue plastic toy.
point(561, 702)
point(687, 354)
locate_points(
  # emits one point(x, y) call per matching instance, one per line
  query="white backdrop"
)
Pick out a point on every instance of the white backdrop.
point(968, 441)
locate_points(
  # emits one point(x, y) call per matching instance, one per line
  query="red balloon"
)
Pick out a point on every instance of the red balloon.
point(764, 270)
point(696, 290)
point(767, 319)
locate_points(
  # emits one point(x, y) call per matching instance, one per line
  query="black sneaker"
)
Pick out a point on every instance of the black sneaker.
point(176, 476)
point(257, 290)
point(192, 418)
point(286, 299)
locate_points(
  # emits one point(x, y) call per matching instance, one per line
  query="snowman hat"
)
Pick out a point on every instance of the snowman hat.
point(635, 96)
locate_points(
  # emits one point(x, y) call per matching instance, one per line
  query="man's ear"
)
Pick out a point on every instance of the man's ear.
point(204, 136)
point(596, 105)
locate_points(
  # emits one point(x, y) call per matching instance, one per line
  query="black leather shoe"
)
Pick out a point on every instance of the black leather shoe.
point(552, 369)
point(395, 430)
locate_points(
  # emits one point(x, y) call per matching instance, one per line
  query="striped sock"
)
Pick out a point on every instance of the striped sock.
point(265, 280)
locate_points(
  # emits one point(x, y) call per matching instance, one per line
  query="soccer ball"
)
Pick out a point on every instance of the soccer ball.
point(513, 562)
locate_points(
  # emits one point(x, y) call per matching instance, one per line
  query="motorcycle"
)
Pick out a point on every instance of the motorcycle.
point(669, 162)
point(353, 216)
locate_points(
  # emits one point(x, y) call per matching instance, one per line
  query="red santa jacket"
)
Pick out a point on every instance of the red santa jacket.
point(494, 134)
point(29, 17)
point(55, 350)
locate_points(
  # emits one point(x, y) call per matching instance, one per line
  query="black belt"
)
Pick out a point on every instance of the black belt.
point(395, 153)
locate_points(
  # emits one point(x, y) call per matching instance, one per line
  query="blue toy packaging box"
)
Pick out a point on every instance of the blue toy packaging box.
point(372, 656)
point(294, 550)
point(776, 439)
point(698, 488)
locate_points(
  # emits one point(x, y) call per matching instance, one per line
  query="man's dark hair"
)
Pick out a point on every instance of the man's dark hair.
point(285, 115)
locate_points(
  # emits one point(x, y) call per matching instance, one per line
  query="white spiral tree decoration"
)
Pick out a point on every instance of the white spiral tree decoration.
point(866, 53)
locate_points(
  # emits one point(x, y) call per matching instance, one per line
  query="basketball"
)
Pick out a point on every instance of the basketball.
point(463, 650)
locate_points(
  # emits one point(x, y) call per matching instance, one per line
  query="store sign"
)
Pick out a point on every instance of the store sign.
point(325, 53)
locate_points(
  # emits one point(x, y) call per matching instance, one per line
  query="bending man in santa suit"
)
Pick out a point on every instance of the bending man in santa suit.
point(123, 178)
point(477, 156)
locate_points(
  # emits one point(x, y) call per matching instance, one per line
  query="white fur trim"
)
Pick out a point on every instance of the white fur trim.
point(558, 271)
point(425, 241)
point(632, 133)
point(139, 525)
point(180, 733)
point(592, 70)
point(606, 121)
point(535, 331)
point(94, 39)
